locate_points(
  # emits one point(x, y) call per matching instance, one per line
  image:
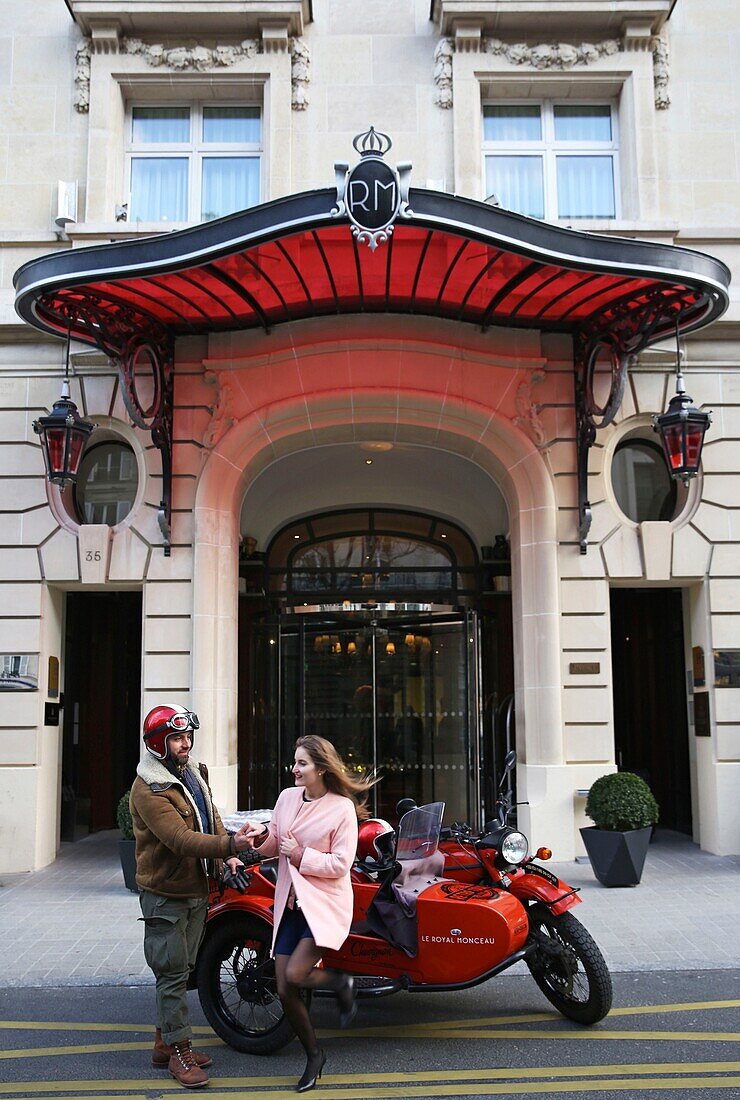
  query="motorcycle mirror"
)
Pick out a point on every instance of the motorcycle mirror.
point(404, 805)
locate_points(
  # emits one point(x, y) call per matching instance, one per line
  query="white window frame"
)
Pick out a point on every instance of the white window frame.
point(194, 151)
point(548, 149)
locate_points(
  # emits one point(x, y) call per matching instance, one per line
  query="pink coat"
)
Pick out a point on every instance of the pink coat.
point(326, 829)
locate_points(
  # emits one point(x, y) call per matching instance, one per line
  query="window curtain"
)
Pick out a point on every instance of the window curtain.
point(512, 123)
point(517, 183)
point(160, 125)
point(585, 187)
point(583, 123)
point(229, 184)
point(159, 189)
point(227, 125)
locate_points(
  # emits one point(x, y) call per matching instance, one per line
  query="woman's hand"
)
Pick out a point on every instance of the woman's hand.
point(288, 845)
point(244, 839)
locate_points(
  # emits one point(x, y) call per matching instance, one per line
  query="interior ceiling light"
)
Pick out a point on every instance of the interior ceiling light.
point(378, 446)
point(368, 462)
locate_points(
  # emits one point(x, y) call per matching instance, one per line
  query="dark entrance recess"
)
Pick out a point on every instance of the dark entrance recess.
point(650, 712)
point(102, 697)
point(383, 631)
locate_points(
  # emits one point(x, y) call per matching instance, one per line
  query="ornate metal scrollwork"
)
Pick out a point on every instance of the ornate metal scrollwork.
point(139, 346)
point(619, 332)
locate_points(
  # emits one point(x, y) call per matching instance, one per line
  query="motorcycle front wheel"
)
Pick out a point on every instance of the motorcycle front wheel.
point(235, 977)
point(568, 966)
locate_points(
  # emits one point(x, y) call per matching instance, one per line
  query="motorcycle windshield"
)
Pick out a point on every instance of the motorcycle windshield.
point(418, 831)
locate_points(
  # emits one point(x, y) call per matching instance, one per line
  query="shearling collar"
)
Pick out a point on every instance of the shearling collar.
point(152, 770)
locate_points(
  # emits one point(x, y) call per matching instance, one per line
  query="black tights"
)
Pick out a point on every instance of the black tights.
point(298, 971)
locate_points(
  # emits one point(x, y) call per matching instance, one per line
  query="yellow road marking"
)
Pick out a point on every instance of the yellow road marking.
point(484, 1021)
point(405, 1090)
point(582, 1033)
point(91, 1048)
point(397, 1078)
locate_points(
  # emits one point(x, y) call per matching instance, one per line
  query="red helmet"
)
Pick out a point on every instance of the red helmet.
point(375, 839)
point(162, 722)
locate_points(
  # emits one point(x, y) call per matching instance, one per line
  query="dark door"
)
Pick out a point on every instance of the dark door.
point(102, 698)
point(650, 719)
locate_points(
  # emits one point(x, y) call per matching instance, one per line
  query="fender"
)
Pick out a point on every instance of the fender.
point(539, 884)
point(232, 902)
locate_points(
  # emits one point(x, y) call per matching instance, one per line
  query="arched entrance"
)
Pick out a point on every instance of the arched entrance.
point(378, 629)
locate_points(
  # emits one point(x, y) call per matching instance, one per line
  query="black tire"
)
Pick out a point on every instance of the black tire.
point(235, 978)
point(575, 979)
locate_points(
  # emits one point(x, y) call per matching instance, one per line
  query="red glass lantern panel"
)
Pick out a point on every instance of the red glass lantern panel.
point(56, 439)
point(673, 442)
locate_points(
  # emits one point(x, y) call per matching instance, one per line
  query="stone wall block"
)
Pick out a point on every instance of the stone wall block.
point(587, 743)
point(657, 546)
point(99, 395)
point(724, 595)
point(19, 563)
point(178, 567)
point(19, 494)
point(691, 553)
point(37, 525)
point(166, 672)
point(719, 455)
point(59, 557)
point(18, 747)
point(621, 552)
point(24, 599)
point(167, 635)
point(727, 705)
point(585, 633)
point(128, 556)
point(649, 389)
point(713, 522)
point(725, 631)
point(20, 709)
point(22, 460)
point(19, 635)
point(722, 489)
point(727, 741)
point(572, 563)
point(593, 704)
point(95, 547)
point(726, 560)
point(168, 598)
point(584, 597)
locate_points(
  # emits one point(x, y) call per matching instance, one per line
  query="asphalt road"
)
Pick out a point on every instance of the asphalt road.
point(670, 1034)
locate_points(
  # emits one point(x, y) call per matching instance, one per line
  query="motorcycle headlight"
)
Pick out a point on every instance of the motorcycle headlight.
point(514, 848)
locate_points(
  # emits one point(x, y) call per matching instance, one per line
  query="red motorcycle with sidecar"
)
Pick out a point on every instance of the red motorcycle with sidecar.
point(435, 909)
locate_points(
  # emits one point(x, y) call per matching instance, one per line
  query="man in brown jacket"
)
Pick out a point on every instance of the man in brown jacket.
point(178, 832)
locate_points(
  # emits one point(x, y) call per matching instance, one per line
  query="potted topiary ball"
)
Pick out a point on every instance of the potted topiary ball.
point(127, 845)
point(623, 810)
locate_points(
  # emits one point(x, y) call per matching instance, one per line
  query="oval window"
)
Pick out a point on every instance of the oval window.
point(642, 485)
point(107, 483)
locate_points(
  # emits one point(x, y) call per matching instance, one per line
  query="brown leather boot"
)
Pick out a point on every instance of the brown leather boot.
point(162, 1052)
point(184, 1068)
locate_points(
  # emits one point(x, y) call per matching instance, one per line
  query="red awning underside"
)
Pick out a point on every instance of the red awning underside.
point(324, 271)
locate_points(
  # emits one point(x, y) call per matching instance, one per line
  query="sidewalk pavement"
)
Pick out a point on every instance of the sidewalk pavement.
point(74, 922)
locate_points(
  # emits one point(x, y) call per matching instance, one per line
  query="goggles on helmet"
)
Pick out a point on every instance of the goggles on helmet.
point(182, 722)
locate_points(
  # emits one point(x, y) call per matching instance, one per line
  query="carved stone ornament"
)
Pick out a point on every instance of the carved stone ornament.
point(661, 73)
point(220, 421)
point(443, 73)
point(193, 58)
point(82, 76)
point(551, 55)
point(529, 411)
point(198, 58)
point(300, 73)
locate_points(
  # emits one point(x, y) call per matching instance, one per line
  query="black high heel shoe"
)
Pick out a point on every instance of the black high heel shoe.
point(314, 1065)
point(347, 1002)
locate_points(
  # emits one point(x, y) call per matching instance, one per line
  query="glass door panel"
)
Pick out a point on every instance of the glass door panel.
point(397, 695)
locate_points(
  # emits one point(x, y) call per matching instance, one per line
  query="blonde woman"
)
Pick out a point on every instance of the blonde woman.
point(314, 832)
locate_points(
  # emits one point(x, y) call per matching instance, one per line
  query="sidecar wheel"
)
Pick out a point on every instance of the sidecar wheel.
point(235, 978)
point(576, 980)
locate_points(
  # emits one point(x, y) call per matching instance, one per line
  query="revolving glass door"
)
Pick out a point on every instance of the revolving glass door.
point(395, 694)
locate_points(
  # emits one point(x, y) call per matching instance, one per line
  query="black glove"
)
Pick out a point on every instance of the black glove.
point(236, 880)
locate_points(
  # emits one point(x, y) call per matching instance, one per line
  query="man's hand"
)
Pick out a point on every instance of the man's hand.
point(244, 838)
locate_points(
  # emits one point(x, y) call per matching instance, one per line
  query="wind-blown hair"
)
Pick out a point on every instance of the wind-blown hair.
point(336, 777)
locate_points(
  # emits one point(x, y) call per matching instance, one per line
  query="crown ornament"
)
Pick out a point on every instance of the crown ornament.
point(372, 143)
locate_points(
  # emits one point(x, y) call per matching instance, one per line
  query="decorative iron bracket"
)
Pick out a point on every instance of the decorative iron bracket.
point(603, 352)
point(148, 357)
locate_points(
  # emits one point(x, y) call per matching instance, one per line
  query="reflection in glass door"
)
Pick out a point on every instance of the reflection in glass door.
point(395, 694)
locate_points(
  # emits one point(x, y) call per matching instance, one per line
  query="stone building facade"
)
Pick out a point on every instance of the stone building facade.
point(419, 416)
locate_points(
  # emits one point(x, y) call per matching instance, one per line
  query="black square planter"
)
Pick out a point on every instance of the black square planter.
point(127, 852)
point(617, 859)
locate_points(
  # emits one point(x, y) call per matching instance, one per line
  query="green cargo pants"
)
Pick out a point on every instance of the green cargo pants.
point(173, 931)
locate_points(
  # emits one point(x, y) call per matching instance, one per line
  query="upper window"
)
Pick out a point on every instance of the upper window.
point(193, 163)
point(552, 160)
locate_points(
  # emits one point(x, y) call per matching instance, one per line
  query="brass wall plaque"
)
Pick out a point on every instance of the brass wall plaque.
point(53, 687)
point(584, 668)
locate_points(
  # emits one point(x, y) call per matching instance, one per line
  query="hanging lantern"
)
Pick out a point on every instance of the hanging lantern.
point(390, 648)
point(682, 428)
point(63, 435)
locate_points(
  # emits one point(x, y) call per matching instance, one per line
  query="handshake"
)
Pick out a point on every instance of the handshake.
point(244, 839)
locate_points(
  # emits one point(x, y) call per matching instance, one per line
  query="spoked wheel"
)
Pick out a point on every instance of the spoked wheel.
point(568, 966)
point(236, 985)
